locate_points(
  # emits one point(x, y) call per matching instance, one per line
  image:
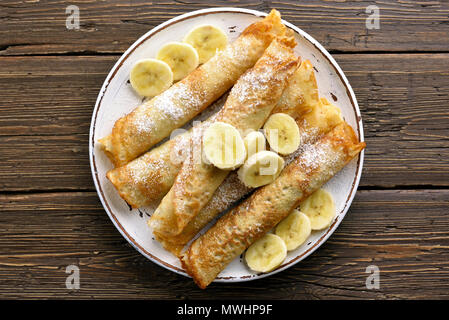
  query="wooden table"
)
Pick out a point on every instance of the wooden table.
point(51, 217)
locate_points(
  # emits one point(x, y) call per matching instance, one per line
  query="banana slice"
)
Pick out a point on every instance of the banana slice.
point(254, 142)
point(207, 40)
point(149, 77)
point(320, 209)
point(294, 230)
point(223, 146)
point(282, 133)
point(181, 57)
point(261, 169)
point(266, 254)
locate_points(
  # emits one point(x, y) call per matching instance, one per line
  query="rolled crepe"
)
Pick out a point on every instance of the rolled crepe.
point(323, 118)
point(148, 178)
point(208, 255)
point(153, 121)
point(249, 104)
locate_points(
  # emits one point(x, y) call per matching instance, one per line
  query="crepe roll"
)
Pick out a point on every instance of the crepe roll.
point(148, 124)
point(148, 178)
point(323, 117)
point(248, 105)
point(208, 255)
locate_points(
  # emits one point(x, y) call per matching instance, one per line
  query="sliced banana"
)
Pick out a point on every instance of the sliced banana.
point(181, 57)
point(150, 77)
point(223, 146)
point(260, 169)
point(282, 133)
point(320, 209)
point(266, 254)
point(294, 230)
point(254, 142)
point(207, 40)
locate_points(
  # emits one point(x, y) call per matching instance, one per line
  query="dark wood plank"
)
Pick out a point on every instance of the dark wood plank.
point(50, 95)
point(403, 101)
point(39, 27)
point(404, 233)
point(45, 163)
point(47, 104)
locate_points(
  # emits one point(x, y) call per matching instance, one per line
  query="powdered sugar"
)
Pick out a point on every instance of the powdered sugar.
point(229, 192)
point(173, 105)
point(249, 85)
point(316, 155)
point(141, 170)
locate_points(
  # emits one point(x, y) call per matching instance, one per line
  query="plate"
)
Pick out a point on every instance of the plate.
point(117, 98)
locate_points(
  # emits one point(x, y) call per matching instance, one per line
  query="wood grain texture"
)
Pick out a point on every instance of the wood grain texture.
point(39, 27)
point(47, 104)
point(45, 163)
point(50, 216)
point(404, 233)
point(50, 95)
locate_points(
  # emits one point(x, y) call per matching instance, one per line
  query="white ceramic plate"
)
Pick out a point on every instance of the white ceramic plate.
point(117, 98)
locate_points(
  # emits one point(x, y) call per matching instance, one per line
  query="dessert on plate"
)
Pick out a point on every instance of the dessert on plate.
point(252, 171)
